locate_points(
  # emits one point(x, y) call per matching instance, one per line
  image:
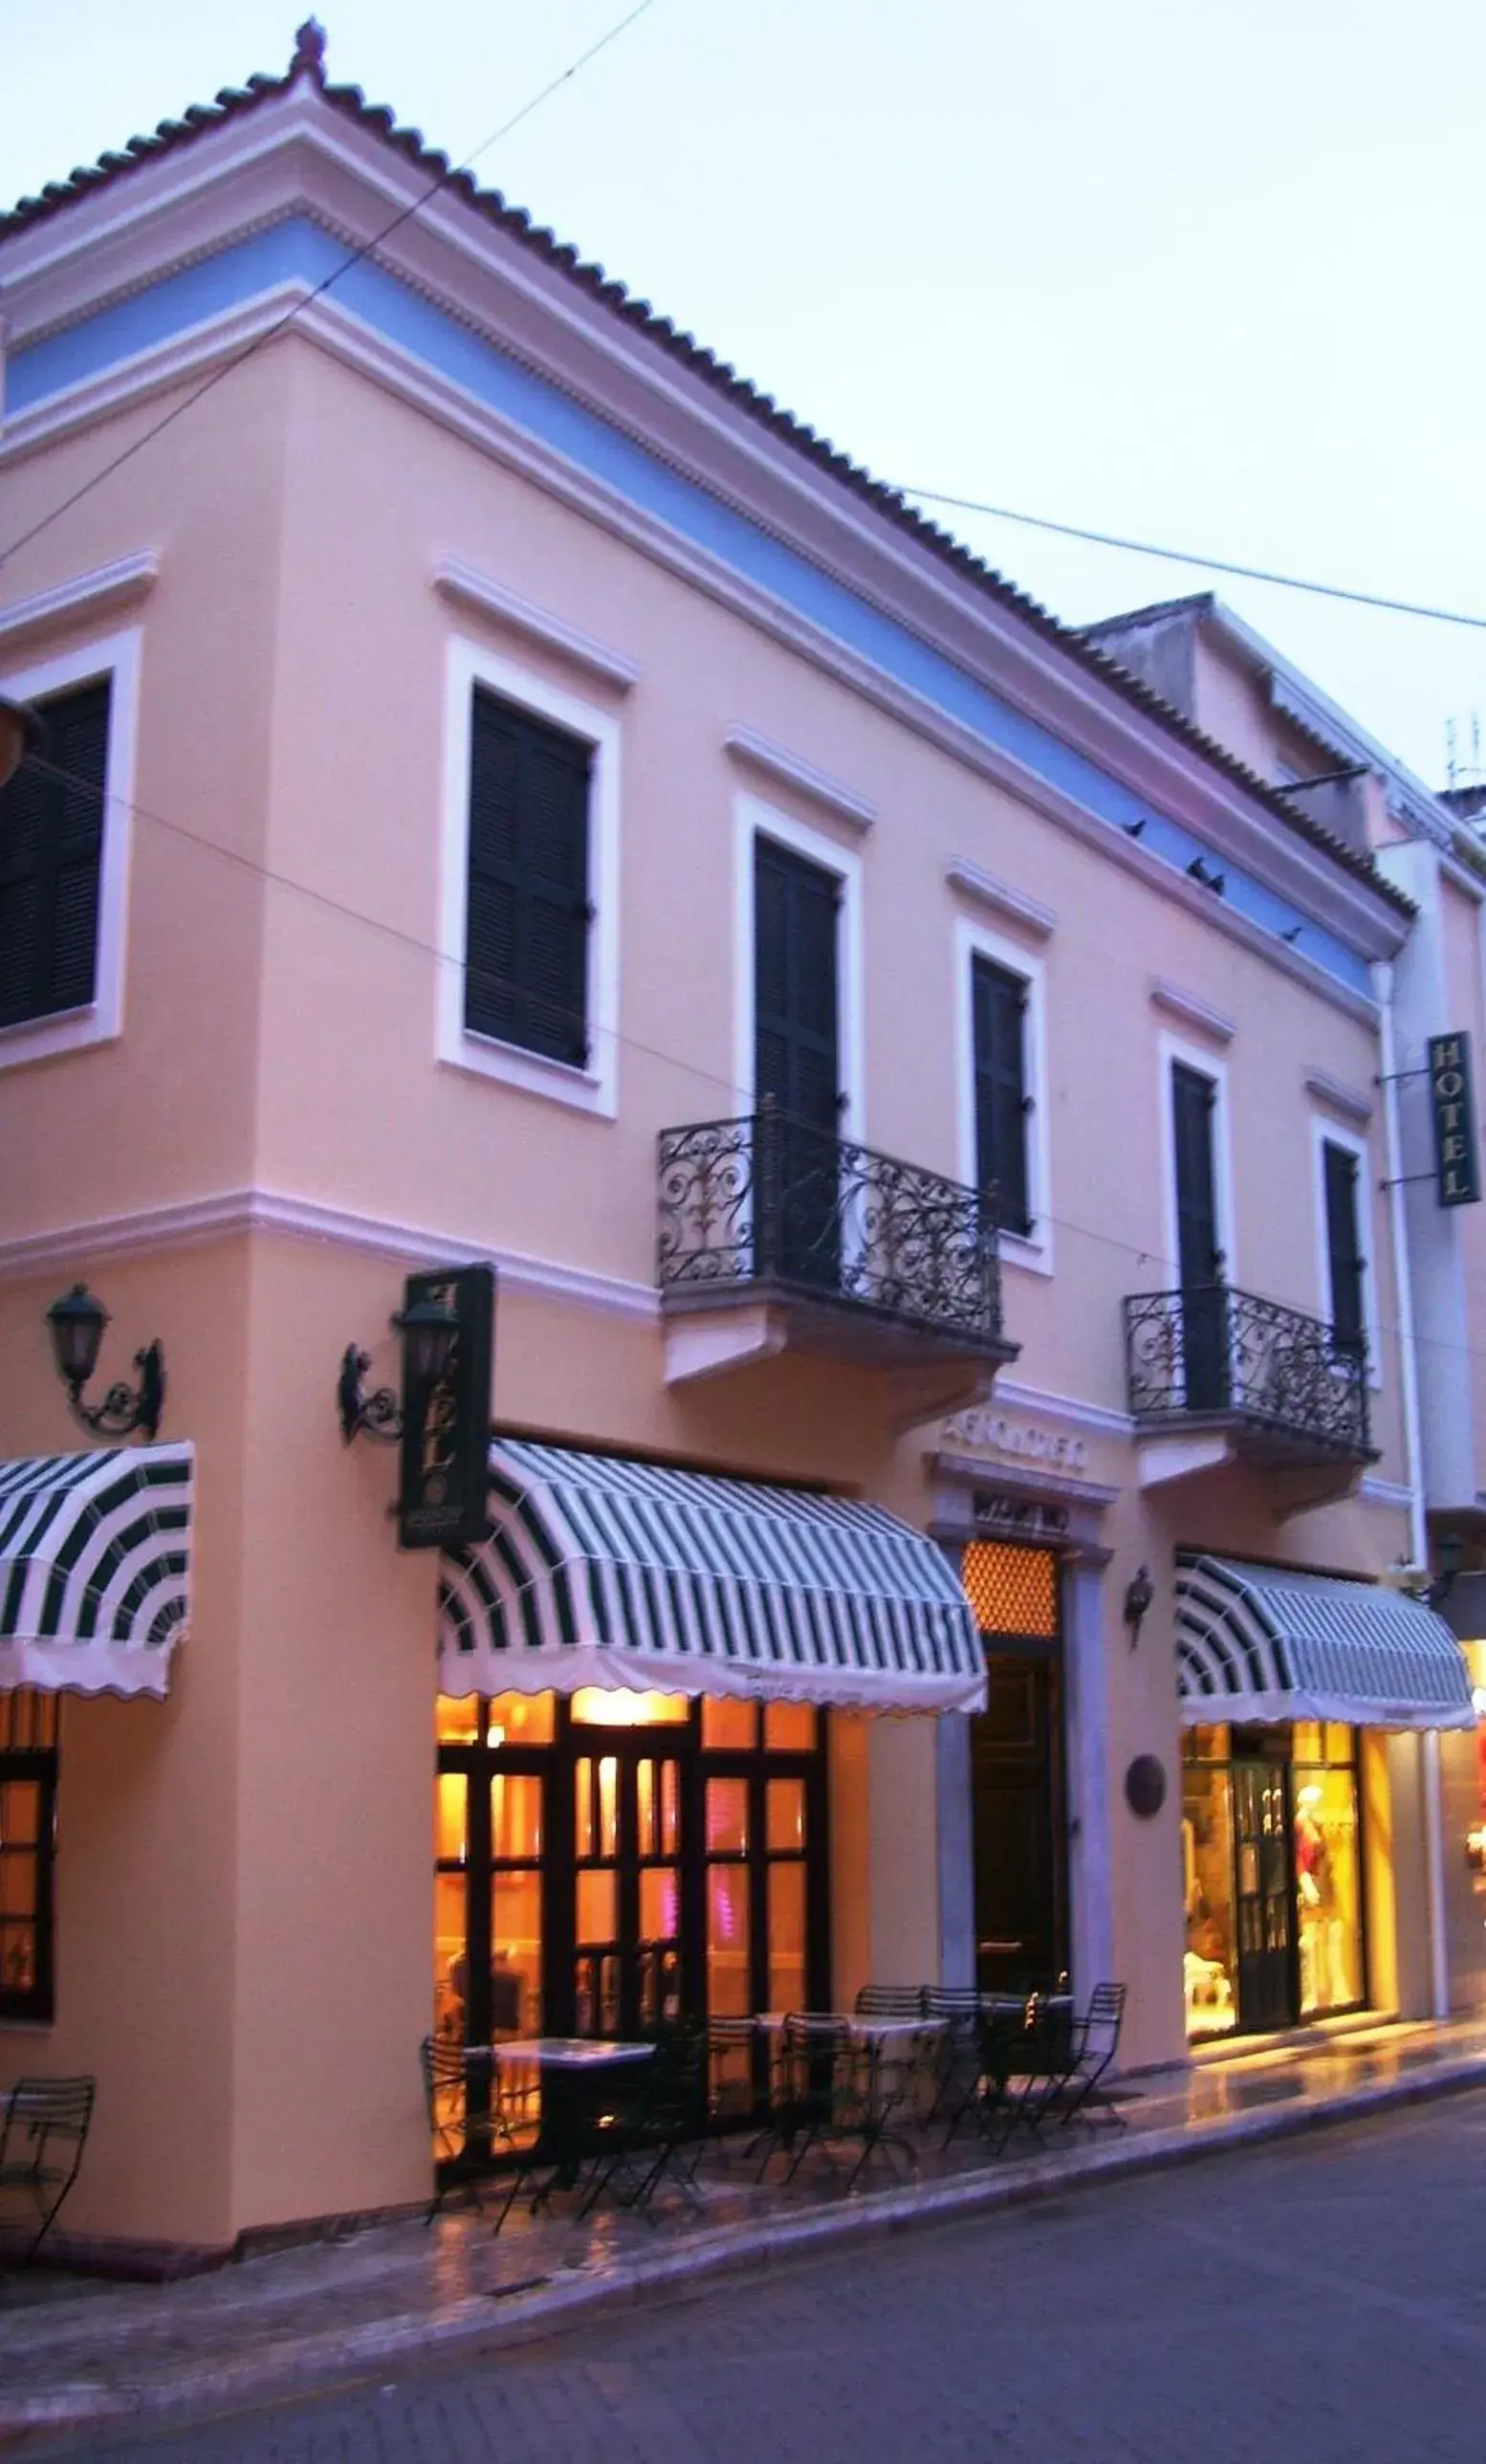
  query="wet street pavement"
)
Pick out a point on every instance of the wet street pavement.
point(1303, 2301)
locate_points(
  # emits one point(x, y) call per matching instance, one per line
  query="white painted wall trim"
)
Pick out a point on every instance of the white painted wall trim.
point(1395, 1493)
point(787, 770)
point(87, 596)
point(1009, 906)
point(594, 1089)
point(973, 940)
point(476, 592)
point(752, 819)
point(1349, 1104)
point(1189, 1011)
point(1208, 1065)
point(231, 1214)
point(117, 657)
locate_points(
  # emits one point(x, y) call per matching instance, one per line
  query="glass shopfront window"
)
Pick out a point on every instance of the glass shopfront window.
point(1210, 1966)
point(621, 1859)
point(1327, 1868)
point(1272, 1876)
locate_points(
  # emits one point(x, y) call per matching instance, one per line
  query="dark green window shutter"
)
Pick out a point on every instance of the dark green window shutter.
point(999, 1011)
point(51, 853)
point(1343, 1248)
point(526, 942)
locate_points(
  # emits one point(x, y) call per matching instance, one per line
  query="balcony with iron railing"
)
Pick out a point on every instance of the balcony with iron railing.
point(778, 1236)
point(1217, 1375)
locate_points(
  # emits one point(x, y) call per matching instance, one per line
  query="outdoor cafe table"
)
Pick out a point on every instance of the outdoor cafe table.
point(576, 2070)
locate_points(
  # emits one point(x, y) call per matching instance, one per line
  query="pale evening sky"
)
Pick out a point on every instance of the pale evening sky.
point(1205, 277)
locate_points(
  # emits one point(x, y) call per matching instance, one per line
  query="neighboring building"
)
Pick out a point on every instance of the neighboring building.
point(490, 747)
point(1234, 686)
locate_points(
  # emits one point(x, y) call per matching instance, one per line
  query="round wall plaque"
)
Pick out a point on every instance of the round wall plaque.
point(1144, 1786)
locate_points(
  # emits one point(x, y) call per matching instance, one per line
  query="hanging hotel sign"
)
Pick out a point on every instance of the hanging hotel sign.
point(1458, 1166)
point(443, 1496)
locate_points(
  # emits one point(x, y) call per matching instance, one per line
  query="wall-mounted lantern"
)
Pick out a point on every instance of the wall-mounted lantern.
point(428, 1328)
point(1139, 1592)
point(76, 1324)
point(441, 1418)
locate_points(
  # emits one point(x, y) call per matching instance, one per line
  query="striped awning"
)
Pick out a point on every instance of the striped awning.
point(95, 1569)
point(602, 1572)
point(1269, 1643)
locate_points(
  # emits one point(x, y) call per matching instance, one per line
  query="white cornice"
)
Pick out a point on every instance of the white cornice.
point(1187, 1008)
point(1063, 1407)
point(469, 589)
point(494, 283)
point(88, 595)
point(787, 770)
point(231, 1214)
point(1011, 906)
point(1350, 1103)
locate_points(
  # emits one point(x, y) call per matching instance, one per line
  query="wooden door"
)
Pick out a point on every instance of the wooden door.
point(1020, 1835)
point(1264, 1894)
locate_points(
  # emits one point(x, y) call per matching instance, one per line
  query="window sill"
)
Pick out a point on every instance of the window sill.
point(27, 2027)
point(63, 1030)
point(1033, 1255)
point(512, 1064)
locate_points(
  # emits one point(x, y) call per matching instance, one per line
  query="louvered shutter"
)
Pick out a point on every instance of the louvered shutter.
point(527, 932)
point(796, 998)
point(51, 854)
point(1343, 1248)
point(999, 1002)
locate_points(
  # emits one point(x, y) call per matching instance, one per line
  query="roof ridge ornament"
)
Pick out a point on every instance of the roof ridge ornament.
point(309, 51)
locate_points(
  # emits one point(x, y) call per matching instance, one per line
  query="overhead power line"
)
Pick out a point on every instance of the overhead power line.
point(353, 258)
point(1187, 556)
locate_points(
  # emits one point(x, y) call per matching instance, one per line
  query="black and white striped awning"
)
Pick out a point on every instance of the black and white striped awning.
point(1271, 1644)
point(604, 1573)
point(95, 1569)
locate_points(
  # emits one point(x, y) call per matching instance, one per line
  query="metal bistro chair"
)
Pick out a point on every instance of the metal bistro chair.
point(914, 2068)
point(832, 2088)
point(42, 2136)
point(1096, 2042)
point(956, 2054)
point(460, 2138)
point(657, 2128)
point(1027, 2061)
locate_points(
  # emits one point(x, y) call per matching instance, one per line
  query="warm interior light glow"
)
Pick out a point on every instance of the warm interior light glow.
point(603, 1707)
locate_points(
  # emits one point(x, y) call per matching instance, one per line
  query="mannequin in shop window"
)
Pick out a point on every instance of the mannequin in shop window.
point(1321, 1986)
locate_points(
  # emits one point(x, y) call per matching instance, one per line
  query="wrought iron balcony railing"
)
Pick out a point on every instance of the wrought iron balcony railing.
point(769, 1202)
point(1215, 1352)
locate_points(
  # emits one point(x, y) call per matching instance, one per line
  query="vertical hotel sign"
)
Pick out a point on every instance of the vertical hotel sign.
point(442, 1498)
point(1457, 1162)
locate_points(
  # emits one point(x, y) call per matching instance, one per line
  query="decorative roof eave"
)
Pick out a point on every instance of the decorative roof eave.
point(1046, 666)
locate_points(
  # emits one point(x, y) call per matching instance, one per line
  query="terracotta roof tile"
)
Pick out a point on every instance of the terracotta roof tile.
point(307, 66)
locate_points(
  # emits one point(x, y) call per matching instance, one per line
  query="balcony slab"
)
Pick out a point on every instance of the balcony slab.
point(926, 1371)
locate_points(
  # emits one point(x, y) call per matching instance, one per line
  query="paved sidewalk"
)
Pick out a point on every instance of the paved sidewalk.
point(76, 2355)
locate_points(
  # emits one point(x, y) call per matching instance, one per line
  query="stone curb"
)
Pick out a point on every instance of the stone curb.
point(283, 2366)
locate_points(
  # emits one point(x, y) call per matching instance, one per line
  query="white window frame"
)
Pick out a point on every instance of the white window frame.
point(1173, 1049)
point(595, 1088)
point(752, 819)
point(118, 658)
point(1325, 1132)
point(1033, 1251)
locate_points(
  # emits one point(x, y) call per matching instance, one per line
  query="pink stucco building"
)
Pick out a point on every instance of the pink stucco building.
point(512, 796)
